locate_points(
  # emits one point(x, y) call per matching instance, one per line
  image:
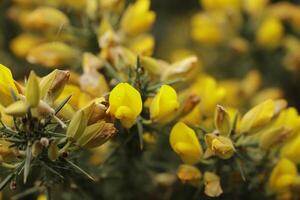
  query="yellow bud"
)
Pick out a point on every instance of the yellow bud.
point(18, 108)
point(106, 133)
point(257, 117)
point(7, 86)
point(53, 151)
point(151, 65)
point(270, 33)
point(32, 92)
point(184, 69)
point(185, 143)
point(53, 54)
point(125, 104)
point(212, 185)
point(137, 18)
point(22, 44)
point(284, 127)
point(222, 121)
point(189, 174)
point(219, 145)
point(164, 105)
point(46, 18)
point(90, 132)
point(142, 45)
point(37, 148)
point(53, 84)
point(283, 175)
point(77, 125)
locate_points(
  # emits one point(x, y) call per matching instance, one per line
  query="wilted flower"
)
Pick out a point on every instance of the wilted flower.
point(212, 185)
point(219, 145)
point(189, 174)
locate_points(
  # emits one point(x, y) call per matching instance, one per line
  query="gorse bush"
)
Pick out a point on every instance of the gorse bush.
point(102, 118)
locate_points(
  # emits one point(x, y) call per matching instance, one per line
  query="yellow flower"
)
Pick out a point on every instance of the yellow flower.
point(7, 86)
point(142, 45)
point(255, 7)
point(285, 126)
point(206, 30)
point(257, 117)
point(220, 4)
point(22, 44)
point(283, 175)
point(219, 145)
point(270, 33)
point(185, 143)
point(189, 174)
point(125, 104)
point(53, 54)
point(164, 105)
point(291, 150)
point(137, 18)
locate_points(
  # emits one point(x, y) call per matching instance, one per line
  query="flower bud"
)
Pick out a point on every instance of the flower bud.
point(77, 125)
point(185, 69)
point(46, 18)
point(257, 117)
point(90, 132)
point(164, 105)
point(32, 92)
point(219, 145)
point(222, 121)
point(212, 185)
point(18, 108)
point(185, 143)
point(95, 110)
point(106, 133)
point(37, 148)
point(53, 151)
point(53, 54)
point(125, 104)
point(53, 84)
point(189, 174)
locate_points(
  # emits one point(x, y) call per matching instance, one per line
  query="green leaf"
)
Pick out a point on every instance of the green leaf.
point(140, 132)
point(79, 169)
point(27, 162)
point(6, 180)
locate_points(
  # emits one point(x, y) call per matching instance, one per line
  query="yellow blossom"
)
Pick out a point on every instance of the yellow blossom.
point(185, 143)
point(125, 104)
point(164, 105)
point(142, 45)
point(206, 30)
point(291, 150)
point(257, 117)
point(137, 18)
point(285, 126)
point(283, 175)
point(22, 44)
point(270, 33)
point(220, 4)
point(7, 86)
